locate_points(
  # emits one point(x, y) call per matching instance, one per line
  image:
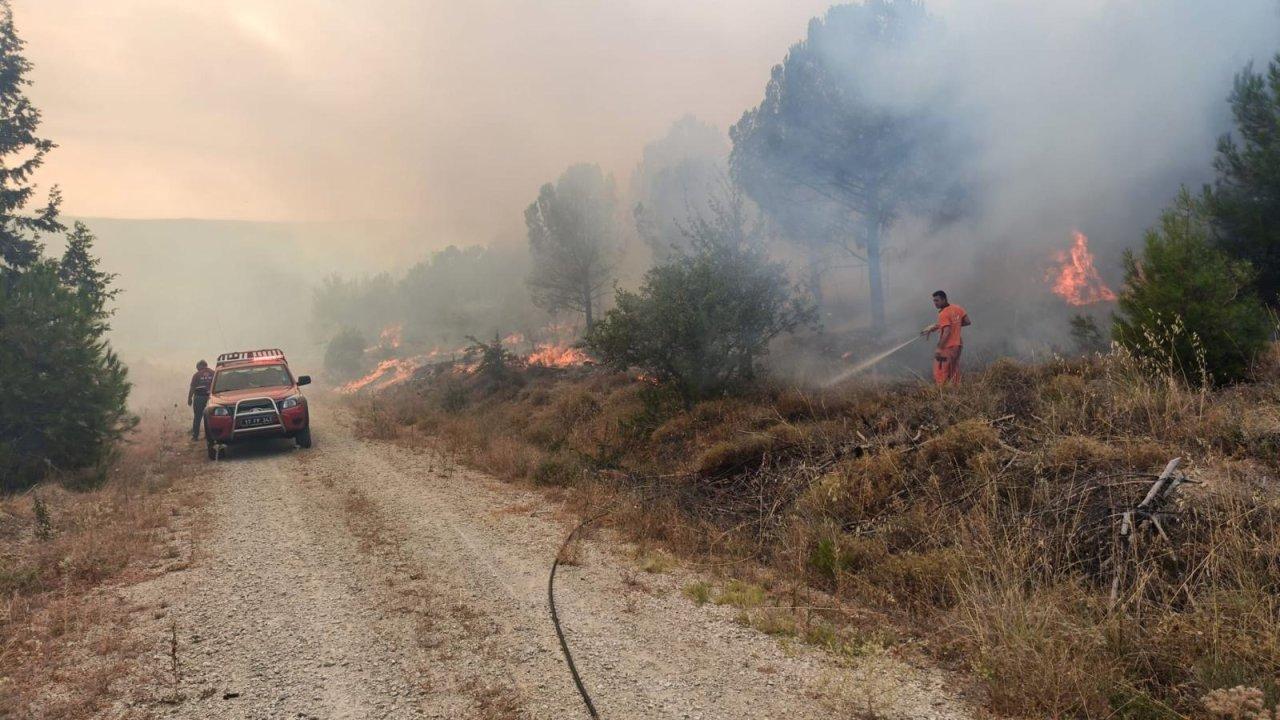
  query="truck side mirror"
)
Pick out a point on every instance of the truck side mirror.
point(304, 380)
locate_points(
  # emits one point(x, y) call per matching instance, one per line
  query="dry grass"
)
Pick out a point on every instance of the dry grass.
point(981, 519)
point(63, 646)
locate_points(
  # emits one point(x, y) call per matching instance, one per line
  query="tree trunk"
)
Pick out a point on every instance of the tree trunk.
point(586, 310)
point(873, 273)
point(815, 281)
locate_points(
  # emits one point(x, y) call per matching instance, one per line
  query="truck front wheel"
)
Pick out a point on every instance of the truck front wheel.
point(303, 438)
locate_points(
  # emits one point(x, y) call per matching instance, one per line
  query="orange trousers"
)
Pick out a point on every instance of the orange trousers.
point(946, 365)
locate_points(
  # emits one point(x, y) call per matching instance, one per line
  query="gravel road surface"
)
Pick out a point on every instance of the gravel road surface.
point(365, 579)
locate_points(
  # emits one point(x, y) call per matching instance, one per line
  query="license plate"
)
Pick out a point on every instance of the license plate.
point(257, 421)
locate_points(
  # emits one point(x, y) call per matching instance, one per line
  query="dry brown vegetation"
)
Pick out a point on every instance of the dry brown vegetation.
point(63, 646)
point(981, 519)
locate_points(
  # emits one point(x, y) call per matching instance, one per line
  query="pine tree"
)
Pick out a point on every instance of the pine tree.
point(833, 164)
point(1245, 201)
point(64, 402)
point(1188, 307)
point(65, 391)
point(573, 241)
point(22, 152)
point(79, 271)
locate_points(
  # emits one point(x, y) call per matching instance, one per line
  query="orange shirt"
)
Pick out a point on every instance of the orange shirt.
point(952, 317)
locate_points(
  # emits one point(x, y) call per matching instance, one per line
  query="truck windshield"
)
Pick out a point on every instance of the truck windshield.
point(247, 378)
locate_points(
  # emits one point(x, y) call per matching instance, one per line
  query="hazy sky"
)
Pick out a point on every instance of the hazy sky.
point(450, 113)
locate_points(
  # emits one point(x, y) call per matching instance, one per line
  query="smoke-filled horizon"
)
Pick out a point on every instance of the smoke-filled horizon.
point(444, 112)
point(441, 120)
point(448, 115)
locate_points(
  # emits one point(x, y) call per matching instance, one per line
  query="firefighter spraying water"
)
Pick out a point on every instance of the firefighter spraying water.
point(946, 358)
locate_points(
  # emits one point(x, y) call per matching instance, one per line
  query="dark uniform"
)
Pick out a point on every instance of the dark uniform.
point(198, 397)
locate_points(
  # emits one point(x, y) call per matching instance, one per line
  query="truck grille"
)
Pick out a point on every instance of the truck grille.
point(255, 404)
point(256, 413)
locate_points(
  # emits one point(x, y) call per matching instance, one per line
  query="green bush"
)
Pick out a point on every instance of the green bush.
point(495, 365)
point(701, 322)
point(1186, 306)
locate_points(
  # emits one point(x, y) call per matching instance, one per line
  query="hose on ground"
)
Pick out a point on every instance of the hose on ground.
point(555, 617)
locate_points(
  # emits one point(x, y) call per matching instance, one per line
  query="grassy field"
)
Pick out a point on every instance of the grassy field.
point(982, 521)
point(64, 645)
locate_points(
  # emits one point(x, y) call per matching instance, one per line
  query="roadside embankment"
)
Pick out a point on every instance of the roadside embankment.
point(983, 522)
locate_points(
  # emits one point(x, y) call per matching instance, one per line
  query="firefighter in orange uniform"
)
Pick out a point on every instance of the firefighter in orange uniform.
point(946, 356)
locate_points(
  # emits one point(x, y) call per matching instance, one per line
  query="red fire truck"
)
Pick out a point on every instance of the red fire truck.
point(255, 395)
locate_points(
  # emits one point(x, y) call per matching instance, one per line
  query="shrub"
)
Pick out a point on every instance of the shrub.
point(701, 322)
point(453, 397)
point(1186, 306)
point(344, 357)
point(493, 361)
point(556, 470)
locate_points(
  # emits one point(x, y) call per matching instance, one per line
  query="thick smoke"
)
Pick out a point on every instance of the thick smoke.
point(442, 119)
point(1083, 116)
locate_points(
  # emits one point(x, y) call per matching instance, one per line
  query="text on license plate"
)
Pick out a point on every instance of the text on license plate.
point(256, 421)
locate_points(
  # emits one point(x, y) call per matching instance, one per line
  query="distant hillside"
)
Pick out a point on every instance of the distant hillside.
point(192, 288)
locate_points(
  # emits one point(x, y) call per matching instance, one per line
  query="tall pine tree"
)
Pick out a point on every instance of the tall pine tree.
point(63, 391)
point(1245, 201)
point(831, 159)
point(573, 241)
point(22, 152)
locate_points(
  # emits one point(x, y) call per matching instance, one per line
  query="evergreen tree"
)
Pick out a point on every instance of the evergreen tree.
point(79, 271)
point(1245, 201)
point(830, 157)
point(1188, 307)
point(22, 152)
point(64, 402)
point(678, 175)
point(573, 241)
point(63, 391)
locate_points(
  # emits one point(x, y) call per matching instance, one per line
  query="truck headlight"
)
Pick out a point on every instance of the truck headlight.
point(221, 410)
point(291, 402)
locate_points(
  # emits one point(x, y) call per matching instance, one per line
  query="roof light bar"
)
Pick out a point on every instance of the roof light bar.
point(250, 355)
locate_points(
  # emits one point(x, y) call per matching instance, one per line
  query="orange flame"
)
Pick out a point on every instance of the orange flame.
point(393, 371)
point(558, 356)
point(388, 373)
point(1075, 279)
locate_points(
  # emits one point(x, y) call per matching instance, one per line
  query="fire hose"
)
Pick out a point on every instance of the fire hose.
point(869, 362)
point(555, 617)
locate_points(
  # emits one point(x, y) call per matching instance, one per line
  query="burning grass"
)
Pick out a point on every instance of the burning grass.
point(982, 519)
point(62, 649)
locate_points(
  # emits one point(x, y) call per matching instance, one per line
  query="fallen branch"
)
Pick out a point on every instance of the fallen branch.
point(1146, 512)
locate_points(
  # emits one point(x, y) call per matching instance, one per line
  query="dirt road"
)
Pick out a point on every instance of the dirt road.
point(363, 579)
